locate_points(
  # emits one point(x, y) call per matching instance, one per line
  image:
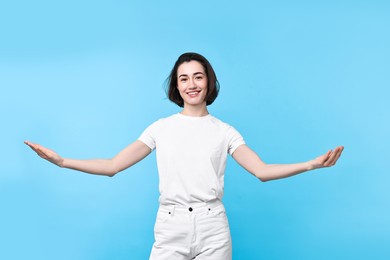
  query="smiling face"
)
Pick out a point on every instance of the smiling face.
point(192, 83)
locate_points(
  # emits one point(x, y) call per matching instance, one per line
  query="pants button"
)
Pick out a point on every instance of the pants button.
point(190, 209)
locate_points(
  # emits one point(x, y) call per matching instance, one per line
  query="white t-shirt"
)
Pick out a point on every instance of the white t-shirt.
point(191, 157)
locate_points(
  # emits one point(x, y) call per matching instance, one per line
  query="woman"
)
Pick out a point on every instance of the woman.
point(191, 149)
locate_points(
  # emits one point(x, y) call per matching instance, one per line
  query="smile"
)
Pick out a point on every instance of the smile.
point(193, 93)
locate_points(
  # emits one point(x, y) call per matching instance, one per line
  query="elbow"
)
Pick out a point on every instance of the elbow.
point(262, 173)
point(114, 170)
point(259, 175)
point(262, 179)
point(112, 173)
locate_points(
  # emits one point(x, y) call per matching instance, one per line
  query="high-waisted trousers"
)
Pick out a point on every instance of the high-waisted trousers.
point(192, 232)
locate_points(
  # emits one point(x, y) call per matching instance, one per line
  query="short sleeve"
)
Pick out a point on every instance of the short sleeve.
point(148, 136)
point(234, 140)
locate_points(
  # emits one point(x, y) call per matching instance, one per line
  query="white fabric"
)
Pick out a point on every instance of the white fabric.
point(191, 157)
point(196, 233)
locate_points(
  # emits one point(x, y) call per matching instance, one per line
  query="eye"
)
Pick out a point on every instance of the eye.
point(183, 80)
point(198, 77)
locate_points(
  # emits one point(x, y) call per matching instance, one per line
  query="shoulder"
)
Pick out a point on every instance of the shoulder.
point(229, 130)
point(220, 123)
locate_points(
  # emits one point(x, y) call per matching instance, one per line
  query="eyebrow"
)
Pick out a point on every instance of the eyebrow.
point(196, 73)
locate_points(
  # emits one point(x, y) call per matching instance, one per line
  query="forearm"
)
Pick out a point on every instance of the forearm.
point(95, 166)
point(132, 154)
point(269, 172)
point(109, 167)
point(266, 172)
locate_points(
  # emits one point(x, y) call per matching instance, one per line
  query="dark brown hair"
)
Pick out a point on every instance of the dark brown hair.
point(212, 82)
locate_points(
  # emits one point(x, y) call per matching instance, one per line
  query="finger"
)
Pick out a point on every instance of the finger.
point(321, 160)
point(32, 147)
point(326, 156)
point(35, 147)
point(338, 154)
point(28, 143)
point(41, 153)
point(42, 150)
point(334, 156)
point(330, 158)
point(38, 147)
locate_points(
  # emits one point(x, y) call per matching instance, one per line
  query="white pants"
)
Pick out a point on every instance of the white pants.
point(193, 232)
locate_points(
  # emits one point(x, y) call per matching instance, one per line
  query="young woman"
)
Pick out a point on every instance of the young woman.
point(191, 149)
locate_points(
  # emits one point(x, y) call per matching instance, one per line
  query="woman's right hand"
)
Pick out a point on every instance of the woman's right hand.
point(46, 153)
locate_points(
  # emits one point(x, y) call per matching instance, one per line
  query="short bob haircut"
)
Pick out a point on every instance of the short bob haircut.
point(212, 82)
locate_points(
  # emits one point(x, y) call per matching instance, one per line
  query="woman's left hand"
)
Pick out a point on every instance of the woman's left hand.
point(327, 160)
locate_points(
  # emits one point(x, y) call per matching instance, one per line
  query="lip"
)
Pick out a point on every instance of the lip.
point(193, 92)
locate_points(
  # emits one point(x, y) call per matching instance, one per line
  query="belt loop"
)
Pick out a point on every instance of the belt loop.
point(173, 210)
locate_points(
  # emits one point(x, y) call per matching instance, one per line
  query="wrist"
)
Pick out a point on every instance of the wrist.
point(61, 163)
point(310, 165)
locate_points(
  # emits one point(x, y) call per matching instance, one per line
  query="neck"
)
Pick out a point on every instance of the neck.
point(196, 111)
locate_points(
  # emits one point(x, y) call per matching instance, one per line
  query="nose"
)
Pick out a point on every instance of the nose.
point(192, 84)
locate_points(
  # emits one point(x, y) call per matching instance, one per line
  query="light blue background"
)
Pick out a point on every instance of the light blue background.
point(297, 78)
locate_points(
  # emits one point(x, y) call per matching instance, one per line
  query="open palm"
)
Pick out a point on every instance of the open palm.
point(46, 153)
point(328, 159)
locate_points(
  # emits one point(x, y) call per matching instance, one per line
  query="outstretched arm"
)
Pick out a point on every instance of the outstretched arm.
point(248, 159)
point(132, 154)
